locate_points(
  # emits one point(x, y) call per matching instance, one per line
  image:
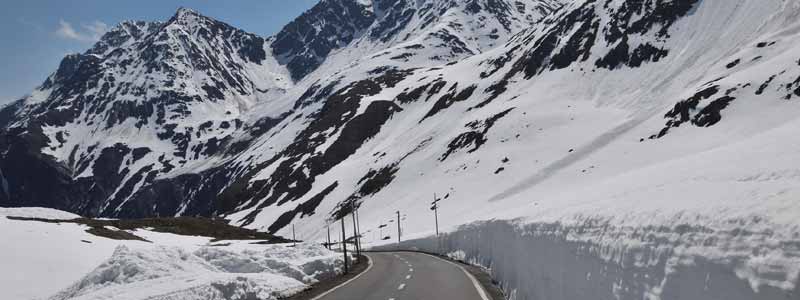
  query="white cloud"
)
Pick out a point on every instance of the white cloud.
point(88, 33)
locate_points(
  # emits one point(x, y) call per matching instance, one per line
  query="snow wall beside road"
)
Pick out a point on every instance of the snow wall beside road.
point(597, 261)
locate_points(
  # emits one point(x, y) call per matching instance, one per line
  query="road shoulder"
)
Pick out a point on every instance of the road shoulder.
point(324, 286)
point(490, 286)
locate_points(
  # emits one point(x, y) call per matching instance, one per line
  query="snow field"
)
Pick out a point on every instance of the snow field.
point(62, 261)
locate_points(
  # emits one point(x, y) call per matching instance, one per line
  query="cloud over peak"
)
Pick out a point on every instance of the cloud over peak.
point(86, 33)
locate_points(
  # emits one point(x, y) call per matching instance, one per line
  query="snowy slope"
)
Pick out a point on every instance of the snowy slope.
point(589, 120)
point(614, 117)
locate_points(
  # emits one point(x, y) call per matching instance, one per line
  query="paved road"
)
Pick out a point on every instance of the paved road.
point(412, 276)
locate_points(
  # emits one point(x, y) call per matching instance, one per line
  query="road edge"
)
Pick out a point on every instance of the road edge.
point(323, 288)
point(475, 282)
point(489, 285)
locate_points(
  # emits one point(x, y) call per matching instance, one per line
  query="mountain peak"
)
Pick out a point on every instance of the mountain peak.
point(364, 2)
point(188, 16)
point(185, 11)
point(125, 32)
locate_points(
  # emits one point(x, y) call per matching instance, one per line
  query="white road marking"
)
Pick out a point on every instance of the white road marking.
point(369, 266)
point(475, 282)
point(408, 276)
point(411, 270)
point(402, 285)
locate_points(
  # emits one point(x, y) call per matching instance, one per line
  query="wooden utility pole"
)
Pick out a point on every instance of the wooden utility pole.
point(329, 236)
point(358, 231)
point(355, 231)
point(294, 238)
point(344, 245)
point(435, 209)
point(398, 228)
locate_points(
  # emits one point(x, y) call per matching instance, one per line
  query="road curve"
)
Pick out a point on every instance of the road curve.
point(408, 275)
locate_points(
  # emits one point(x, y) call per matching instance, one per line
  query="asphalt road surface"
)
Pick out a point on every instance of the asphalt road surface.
point(407, 275)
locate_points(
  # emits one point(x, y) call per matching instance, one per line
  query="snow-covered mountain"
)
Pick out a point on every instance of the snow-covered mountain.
point(623, 119)
point(150, 99)
point(158, 118)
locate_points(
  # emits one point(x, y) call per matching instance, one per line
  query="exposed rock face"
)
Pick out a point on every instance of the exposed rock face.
point(304, 43)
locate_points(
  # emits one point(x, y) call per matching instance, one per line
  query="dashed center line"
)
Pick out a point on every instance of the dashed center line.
point(402, 286)
point(408, 276)
point(411, 269)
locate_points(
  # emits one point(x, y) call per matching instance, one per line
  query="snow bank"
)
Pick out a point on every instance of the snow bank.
point(38, 259)
point(207, 273)
point(63, 261)
point(596, 260)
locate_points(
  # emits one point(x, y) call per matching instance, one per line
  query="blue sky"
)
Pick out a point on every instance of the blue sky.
point(36, 34)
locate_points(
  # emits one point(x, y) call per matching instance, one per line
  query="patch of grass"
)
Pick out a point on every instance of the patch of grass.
point(114, 234)
point(218, 230)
